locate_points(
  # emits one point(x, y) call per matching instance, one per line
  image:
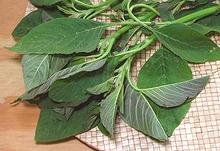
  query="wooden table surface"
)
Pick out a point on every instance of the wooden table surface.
point(17, 124)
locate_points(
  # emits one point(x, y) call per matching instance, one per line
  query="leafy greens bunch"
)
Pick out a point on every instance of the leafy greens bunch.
point(81, 79)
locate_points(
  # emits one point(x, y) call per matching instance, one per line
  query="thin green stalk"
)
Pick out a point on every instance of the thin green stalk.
point(130, 9)
point(128, 74)
point(178, 6)
point(198, 15)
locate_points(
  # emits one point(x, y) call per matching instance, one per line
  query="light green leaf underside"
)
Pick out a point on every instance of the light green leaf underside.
point(57, 62)
point(108, 110)
point(35, 70)
point(73, 35)
point(188, 44)
point(176, 94)
point(62, 74)
point(38, 68)
point(139, 115)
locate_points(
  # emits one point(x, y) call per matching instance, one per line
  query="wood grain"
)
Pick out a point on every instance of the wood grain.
point(17, 124)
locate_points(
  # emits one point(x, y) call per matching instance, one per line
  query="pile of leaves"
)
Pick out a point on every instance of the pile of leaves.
point(80, 78)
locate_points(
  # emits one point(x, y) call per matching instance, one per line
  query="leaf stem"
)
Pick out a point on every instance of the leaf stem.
point(198, 15)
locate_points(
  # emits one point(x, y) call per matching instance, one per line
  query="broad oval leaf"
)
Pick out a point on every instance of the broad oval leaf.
point(163, 68)
point(62, 74)
point(62, 36)
point(187, 43)
point(139, 114)
point(53, 126)
point(172, 95)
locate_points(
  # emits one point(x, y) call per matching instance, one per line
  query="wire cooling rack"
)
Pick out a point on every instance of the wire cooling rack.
point(200, 130)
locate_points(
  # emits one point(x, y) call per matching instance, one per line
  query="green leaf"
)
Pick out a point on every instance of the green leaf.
point(175, 70)
point(45, 2)
point(200, 28)
point(53, 126)
point(139, 114)
point(163, 68)
point(74, 89)
point(62, 74)
point(35, 70)
point(172, 95)
point(108, 110)
point(38, 68)
point(62, 36)
point(165, 10)
point(211, 22)
point(102, 88)
point(162, 90)
point(103, 129)
point(187, 43)
point(125, 38)
point(58, 62)
point(34, 19)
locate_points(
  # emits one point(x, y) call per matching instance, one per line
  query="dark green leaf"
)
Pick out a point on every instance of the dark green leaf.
point(102, 88)
point(74, 89)
point(103, 129)
point(62, 36)
point(53, 126)
point(211, 22)
point(165, 10)
point(163, 68)
point(188, 44)
point(34, 19)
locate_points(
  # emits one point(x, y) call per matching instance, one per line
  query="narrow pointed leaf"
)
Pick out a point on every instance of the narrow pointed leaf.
point(62, 74)
point(176, 94)
point(108, 110)
point(62, 36)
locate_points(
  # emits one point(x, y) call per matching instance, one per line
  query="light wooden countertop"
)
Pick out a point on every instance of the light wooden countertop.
point(17, 124)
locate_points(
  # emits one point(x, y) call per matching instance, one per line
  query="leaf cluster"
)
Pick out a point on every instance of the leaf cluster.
point(80, 77)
